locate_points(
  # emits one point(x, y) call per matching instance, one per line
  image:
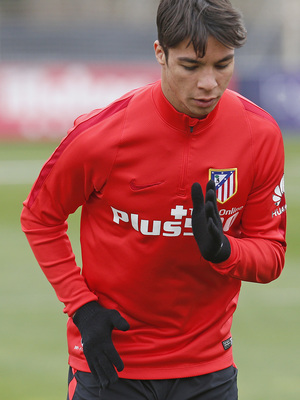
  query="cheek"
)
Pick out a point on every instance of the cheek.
point(225, 79)
point(230, 73)
point(177, 82)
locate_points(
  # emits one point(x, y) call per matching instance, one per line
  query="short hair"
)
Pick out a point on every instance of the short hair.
point(196, 20)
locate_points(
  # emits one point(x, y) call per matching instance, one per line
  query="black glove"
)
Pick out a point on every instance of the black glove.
point(95, 324)
point(207, 225)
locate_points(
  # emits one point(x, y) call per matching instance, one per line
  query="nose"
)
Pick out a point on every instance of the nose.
point(207, 80)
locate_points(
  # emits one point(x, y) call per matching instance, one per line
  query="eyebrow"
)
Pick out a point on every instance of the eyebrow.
point(196, 61)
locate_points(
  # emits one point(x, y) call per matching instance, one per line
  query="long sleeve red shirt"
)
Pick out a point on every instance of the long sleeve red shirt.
point(131, 166)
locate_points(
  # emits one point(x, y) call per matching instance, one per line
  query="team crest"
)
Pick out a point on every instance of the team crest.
point(225, 181)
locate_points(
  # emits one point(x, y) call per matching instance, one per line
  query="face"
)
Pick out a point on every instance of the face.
point(191, 84)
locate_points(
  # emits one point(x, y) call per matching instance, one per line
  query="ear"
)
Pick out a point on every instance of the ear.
point(159, 53)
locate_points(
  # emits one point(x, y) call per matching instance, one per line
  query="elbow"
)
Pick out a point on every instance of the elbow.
point(276, 266)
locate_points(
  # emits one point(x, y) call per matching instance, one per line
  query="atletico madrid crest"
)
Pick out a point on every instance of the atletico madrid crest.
point(225, 181)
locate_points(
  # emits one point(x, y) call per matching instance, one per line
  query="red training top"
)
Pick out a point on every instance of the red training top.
point(131, 166)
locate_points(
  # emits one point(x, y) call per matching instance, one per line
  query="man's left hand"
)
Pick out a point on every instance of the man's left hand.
point(207, 225)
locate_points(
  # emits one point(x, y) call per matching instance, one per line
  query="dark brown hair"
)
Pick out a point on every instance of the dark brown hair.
point(196, 20)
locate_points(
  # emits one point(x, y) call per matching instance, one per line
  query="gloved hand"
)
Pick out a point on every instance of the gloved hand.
point(207, 225)
point(95, 324)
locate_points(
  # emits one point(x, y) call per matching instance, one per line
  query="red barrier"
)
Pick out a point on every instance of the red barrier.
point(43, 100)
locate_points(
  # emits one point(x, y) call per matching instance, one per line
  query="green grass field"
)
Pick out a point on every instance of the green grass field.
point(33, 350)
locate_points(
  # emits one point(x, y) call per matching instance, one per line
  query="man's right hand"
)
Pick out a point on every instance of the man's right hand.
point(95, 325)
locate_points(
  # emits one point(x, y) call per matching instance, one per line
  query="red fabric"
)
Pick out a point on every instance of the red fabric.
point(131, 167)
point(72, 386)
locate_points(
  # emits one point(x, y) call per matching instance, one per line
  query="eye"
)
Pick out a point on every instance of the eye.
point(189, 68)
point(223, 66)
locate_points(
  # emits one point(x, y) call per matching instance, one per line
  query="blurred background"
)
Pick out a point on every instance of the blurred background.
point(63, 58)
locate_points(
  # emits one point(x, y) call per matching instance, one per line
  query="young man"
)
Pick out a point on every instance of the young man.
point(162, 266)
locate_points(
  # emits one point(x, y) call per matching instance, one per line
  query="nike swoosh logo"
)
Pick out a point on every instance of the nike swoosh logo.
point(135, 187)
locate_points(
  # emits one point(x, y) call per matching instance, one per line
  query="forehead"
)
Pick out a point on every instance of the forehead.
point(215, 51)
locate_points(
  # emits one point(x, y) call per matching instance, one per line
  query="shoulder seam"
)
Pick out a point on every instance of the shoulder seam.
point(255, 109)
point(73, 134)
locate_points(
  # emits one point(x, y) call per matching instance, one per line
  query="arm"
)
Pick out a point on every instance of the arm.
point(66, 182)
point(53, 251)
point(43, 220)
point(258, 253)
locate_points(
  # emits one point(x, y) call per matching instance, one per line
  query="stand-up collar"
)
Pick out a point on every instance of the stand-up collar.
point(177, 119)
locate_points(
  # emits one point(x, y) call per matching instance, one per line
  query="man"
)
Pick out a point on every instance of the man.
point(162, 266)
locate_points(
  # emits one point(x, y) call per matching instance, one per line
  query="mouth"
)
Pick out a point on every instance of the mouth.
point(206, 102)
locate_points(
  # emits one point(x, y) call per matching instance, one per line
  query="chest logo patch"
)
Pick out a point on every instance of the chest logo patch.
point(226, 183)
